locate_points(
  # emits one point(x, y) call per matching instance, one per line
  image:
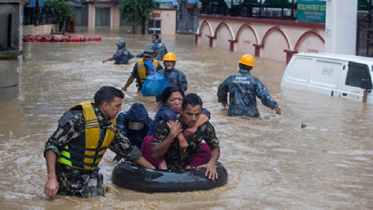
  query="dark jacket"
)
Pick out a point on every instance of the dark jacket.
point(122, 55)
point(158, 48)
point(243, 89)
point(136, 113)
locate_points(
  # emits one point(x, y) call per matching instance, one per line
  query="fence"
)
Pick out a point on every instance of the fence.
point(276, 9)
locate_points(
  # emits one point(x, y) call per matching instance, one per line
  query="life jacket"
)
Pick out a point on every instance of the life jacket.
point(86, 151)
point(142, 70)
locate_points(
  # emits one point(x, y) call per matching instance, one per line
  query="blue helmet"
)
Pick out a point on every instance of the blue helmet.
point(121, 43)
point(148, 53)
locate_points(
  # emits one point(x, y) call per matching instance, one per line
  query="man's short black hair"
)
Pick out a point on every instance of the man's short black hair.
point(191, 99)
point(107, 94)
point(156, 36)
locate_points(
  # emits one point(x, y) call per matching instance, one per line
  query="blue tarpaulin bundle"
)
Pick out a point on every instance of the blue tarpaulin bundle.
point(154, 85)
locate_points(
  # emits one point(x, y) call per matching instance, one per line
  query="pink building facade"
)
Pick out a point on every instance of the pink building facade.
point(269, 38)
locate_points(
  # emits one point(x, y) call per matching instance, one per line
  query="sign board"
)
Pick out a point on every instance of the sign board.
point(156, 14)
point(311, 11)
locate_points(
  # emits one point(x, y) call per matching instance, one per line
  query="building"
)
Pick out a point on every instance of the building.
point(99, 13)
point(277, 29)
point(10, 47)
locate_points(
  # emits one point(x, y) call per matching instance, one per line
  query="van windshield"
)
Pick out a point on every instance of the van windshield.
point(356, 73)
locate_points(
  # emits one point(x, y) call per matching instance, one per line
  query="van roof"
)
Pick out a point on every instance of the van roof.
point(353, 58)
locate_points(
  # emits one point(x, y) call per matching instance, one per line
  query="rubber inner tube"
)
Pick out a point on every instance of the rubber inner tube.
point(136, 178)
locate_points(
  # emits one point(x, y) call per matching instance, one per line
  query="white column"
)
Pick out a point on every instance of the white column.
point(340, 26)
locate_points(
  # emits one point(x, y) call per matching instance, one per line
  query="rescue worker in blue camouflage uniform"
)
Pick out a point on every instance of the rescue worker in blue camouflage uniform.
point(143, 68)
point(157, 46)
point(122, 55)
point(173, 76)
point(243, 88)
point(75, 149)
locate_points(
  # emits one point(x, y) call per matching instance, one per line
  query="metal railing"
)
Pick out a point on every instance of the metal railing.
point(364, 36)
point(269, 9)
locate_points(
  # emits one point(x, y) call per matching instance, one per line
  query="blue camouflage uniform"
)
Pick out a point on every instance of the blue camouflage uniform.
point(175, 78)
point(71, 129)
point(122, 55)
point(243, 88)
point(158, 48)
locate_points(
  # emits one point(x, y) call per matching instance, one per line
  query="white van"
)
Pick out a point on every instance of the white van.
point(345, 76)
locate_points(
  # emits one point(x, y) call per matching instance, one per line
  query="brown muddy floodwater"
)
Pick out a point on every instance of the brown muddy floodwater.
point(272, 162)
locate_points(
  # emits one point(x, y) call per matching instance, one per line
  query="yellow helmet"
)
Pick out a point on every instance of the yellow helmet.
point(247, 60)
point(169, 57)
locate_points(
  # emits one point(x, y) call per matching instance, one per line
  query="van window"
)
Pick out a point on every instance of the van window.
point(357, 72)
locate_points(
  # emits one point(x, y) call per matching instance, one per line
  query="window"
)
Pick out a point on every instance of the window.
point(154, 26)
point(102, 16)
point(357, 72)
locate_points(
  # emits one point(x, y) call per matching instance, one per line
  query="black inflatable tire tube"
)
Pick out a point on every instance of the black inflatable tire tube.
point(140, 179)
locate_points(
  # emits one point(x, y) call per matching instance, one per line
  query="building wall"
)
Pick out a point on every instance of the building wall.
point(114, 14)
point(275, 39)
point(91, 16)
point(43, 29)
point(168, 21)
point(10, 19)
point(11, 50)
point(168, 17)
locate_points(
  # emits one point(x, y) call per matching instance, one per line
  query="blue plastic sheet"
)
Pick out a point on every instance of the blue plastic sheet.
point(154, 85)
point(149, 63)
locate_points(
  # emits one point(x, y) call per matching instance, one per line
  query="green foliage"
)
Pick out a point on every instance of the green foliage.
point(137, 11)
point(59, 10)
point(363, 3)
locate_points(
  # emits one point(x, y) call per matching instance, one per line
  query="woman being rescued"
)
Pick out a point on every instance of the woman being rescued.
point(169, 108)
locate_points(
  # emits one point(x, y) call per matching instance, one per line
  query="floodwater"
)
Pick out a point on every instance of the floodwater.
point(272, 162)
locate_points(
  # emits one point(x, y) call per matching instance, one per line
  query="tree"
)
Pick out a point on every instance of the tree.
point(137, 11)
point(59, 10)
